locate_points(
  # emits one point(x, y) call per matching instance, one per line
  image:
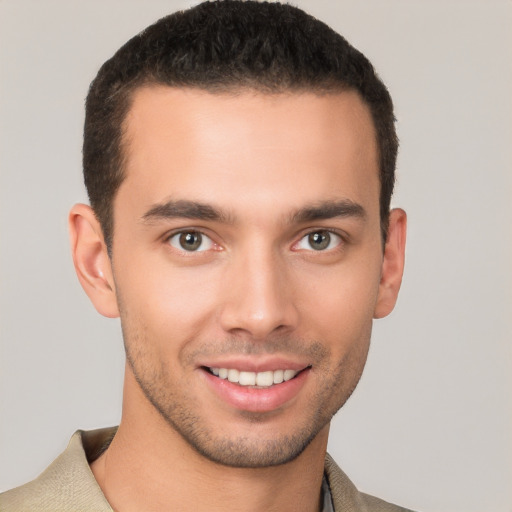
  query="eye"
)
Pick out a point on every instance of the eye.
point(190, 241)
point(321, 240)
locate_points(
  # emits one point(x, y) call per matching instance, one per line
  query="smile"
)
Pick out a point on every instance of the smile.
point(273, 385)
point(254, 379)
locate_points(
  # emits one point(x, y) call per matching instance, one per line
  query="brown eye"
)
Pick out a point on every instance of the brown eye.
point(190, 241)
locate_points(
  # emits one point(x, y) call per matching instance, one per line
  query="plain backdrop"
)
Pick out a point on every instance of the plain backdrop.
point(430, 424)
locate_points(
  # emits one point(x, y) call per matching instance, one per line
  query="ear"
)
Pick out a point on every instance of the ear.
point(392, 264)
point(91, 260)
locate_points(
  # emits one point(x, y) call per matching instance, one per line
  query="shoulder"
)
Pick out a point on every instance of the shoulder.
point(67, 484)
point(346, 497)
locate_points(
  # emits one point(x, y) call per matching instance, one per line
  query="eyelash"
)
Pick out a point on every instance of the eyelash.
point(328, 233)
point(204, 238)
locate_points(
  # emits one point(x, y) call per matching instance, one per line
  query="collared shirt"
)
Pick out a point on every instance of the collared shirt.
point(68, 484)
point(327, 497)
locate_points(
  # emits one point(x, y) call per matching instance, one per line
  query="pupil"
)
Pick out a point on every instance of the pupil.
point(319, 240)
point(190, 241)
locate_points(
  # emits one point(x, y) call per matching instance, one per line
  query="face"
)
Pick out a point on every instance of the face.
point(247, 262)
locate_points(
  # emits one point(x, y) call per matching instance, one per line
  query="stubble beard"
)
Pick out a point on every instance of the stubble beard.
point(179, 411)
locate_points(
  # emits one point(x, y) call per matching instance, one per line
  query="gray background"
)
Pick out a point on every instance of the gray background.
point(430, 424)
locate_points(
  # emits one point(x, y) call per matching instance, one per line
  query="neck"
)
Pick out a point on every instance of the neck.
point(150, 467)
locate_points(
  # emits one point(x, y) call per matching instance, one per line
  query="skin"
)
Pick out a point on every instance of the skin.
point(267, 171)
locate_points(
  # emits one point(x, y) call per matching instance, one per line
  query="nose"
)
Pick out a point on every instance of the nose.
point(259, 296)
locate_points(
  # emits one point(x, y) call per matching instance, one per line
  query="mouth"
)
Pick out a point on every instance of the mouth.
point(258, 380)
point(271, 385)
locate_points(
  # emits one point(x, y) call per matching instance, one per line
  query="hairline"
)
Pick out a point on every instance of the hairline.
point(130, 90)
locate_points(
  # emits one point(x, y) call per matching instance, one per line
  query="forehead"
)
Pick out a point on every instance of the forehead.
point(265, 148)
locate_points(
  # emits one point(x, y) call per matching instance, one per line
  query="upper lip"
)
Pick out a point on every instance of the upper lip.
point(256, 365)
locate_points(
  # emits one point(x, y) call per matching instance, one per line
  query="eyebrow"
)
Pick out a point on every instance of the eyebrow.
point(201, 211)
point(185, 209)
point(329, 210)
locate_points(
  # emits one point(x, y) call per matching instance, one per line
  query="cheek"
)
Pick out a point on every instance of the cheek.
point(171, 303)
point(340, 304)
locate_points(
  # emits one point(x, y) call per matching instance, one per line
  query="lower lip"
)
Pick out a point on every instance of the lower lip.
point(250, 399)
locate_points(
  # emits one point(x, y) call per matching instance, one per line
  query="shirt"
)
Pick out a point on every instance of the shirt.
point(68, 484)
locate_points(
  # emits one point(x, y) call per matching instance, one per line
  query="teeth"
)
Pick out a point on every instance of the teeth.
point(278, 376)
point(233, 375)
point(260, 379)
point(247, 379)
point(289, 374)
point(265, 379)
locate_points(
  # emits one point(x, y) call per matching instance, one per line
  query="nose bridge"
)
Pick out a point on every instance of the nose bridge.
point(259, 298)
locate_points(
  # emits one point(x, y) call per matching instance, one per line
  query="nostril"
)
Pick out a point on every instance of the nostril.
point(259, 311)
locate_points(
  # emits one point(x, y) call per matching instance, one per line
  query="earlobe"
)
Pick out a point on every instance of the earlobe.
point(392, 264)
point(91, 260)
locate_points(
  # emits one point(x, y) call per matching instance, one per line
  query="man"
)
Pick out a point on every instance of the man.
point(239, 159)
